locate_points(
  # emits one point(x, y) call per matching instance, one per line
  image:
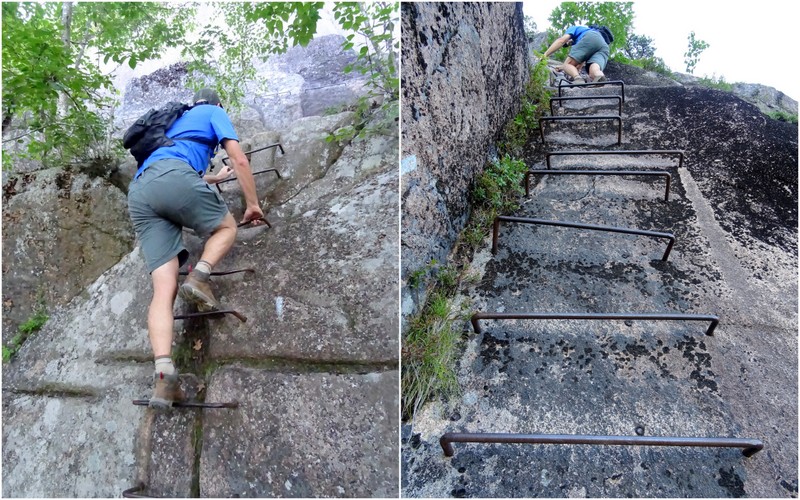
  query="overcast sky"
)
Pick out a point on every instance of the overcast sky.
point(751, 42)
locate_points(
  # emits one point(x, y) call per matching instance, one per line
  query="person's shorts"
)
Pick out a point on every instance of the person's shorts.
point(591, 49)
point(168, 196)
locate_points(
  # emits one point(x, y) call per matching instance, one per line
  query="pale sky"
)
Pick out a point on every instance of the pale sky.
point(749, 42)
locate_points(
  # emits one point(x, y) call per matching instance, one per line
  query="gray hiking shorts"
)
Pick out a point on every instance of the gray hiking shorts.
point(591, 49)
point(168, 196)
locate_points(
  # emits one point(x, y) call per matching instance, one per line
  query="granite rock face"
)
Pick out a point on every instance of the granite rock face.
point(464, 68)
point(305, 81)
point(61, 230)
point(316, 359)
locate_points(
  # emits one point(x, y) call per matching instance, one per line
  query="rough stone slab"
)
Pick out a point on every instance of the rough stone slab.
point(172, 452)
point(72, 447)
point(301, 435)
point(104, 326)
point(326, 282)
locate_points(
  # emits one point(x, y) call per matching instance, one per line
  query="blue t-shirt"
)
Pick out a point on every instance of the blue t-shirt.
point(577, 33)
point(204, 122)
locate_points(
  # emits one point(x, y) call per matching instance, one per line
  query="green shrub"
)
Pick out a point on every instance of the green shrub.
point(26, 329)
point(535, 99)
point(713, 82)
point(783, 116)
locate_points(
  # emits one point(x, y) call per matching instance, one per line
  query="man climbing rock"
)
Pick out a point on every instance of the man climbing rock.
point(589, 46)
point(170, 191)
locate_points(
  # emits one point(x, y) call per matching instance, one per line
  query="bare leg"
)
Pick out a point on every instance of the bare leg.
point(571, 67)
point(159, 316)
point(220, 241)
point(595, 72)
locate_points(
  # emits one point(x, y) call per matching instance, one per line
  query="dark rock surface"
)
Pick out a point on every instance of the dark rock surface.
point(60, 231)
point(464, 68)
point(733, 210)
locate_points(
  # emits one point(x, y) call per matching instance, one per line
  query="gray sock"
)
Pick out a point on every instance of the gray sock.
point(164, 365)
point(202, 270)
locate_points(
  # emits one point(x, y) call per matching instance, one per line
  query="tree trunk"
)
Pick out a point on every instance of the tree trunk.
point(66, 21)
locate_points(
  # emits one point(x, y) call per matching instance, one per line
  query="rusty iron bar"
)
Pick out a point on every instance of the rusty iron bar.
point(222, 273)
point(585, 98)
point(546, 119)
point(599, 316)
point(231, 179)
point(242, 224)
point(190, 404)
point(624, 152)
point(651, 173)
point(593, 84)
point(749, 446)
point(241, 317)
point(577, 225)
point(134, 492)
point(277, 144)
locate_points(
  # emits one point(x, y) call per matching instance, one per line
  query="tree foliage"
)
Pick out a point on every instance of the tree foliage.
point(58, 90)
point(692, 55)
point(53, 85)
point(617, 16)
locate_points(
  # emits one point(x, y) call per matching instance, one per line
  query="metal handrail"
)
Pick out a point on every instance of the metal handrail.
point(585, 98)
point(577, 225)
point(598, 316)
point(650, 173)
point(593, 84)
point(611, 152)
point(749, 446)
point(546, 119)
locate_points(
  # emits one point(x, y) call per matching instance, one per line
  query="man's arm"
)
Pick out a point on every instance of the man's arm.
point(223, 174)
point(557, 44)
point(245, 176)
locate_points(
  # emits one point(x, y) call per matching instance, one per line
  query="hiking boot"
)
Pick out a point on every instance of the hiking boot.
point(601, 79)
point(197, 292)
point(578, 79)
point(167, 390)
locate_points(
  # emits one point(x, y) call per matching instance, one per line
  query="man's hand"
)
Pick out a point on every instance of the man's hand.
point(223, 174)
point(254, 215)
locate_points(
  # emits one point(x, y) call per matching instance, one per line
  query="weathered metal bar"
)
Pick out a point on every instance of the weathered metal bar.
point(190, 404)
point(749, 446)
point(241, 317)
point(611, 152)
point(585, 98)
point(221, 273)
point(577, 225)
point(599, 316)
point(592, 84)
point(231, 179)
point(241, 224)
point(648, 173)
point(546, 119)
point(134, 492)
point(276, 145)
